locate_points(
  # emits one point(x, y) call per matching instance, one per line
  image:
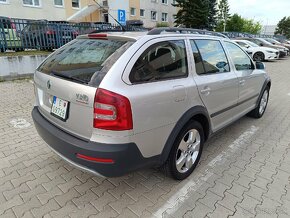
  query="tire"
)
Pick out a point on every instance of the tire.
point(185, 151)
point(259, 111)
point(259, 56)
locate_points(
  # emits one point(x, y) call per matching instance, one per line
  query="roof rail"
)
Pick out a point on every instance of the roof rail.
point(157, 31)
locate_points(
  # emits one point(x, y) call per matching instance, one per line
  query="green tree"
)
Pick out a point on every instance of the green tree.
point(212, 14)
point(283, 27)
point(192, 13)
point(223, 15)
point(235, 24)
point(250, 26)
point(239, 24)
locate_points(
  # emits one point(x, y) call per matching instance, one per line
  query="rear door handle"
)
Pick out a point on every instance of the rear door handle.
point(242, 82)
point(205, 91)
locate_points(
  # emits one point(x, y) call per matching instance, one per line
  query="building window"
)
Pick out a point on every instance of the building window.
point(58, 2)
point(154, 15)
point(133, 11)
point(3, 1)
point(75, 3)
point(142, 13)
point(35, 3)
point(164, 17)
point(105, 3)
point(165, 2)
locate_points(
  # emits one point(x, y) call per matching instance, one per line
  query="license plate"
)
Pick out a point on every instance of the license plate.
point(59, 108)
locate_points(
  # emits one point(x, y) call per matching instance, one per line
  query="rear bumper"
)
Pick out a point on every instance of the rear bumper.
point(127, 157)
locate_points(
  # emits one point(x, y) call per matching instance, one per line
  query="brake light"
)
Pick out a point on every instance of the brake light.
point(98, 36)
point(112, 111)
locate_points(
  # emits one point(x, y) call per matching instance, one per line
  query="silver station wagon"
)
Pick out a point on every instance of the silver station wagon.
point(112, 103)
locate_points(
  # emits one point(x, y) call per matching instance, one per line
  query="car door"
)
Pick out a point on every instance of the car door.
point(217, 83)
point(250, 79)
point(158, 82)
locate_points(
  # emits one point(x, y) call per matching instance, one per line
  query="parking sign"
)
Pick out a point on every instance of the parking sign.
point(122, 16)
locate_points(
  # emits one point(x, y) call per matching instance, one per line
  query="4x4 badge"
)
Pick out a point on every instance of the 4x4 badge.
point(48, 84)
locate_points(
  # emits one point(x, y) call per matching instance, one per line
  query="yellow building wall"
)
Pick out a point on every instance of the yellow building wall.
point(134, 4)
point(94, 17)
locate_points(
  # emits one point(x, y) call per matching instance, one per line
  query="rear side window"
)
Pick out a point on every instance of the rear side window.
point(84, 60)
point(161, 61)
point(197, 58)
point(213, 56)
point(239, 57)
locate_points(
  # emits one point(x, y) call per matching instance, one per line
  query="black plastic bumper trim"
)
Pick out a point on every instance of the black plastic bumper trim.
point(127, 156)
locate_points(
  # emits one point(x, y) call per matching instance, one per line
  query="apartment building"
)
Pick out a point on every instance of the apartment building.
point(148, 12)
point(33, 9)
point(153, 12)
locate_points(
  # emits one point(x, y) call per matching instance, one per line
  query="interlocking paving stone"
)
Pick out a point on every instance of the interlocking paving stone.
point(248, 178)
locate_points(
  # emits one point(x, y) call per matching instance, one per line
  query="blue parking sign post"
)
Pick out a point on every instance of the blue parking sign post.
point(122, 16)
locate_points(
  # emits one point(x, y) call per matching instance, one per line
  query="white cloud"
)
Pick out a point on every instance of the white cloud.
point(266, 12)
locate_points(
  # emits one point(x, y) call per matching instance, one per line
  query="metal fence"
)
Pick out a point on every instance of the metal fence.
point(248, 35)
point(20, 34)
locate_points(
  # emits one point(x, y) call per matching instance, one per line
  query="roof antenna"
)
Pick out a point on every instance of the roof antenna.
point(122, 27)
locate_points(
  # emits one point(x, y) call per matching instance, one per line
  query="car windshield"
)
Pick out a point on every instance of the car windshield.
point(82, 59)
point(265, 42)
point(252, 44)
point(271, 40)
point(276, 41)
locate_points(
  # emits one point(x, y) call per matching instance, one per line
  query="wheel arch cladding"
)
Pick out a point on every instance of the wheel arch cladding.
point(266, 84)
point(197, 113)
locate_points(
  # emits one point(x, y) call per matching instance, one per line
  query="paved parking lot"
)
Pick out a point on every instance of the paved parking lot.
point(244, 172)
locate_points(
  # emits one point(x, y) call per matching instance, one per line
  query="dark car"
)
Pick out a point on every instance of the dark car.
point(47, 35)
point(276, 42)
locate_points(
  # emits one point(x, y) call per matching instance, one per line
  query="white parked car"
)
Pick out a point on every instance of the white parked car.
point(257, 52)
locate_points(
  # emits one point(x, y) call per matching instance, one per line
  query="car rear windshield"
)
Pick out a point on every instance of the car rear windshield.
point(84, 60)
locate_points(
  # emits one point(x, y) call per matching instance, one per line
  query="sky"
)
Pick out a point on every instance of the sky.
point(265, 11)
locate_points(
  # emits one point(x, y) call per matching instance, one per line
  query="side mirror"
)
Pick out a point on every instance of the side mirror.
point(261, 44)
point(247, 46)
point(260, 65)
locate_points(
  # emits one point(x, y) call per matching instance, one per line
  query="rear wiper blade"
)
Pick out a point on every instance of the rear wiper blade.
point(67, 77)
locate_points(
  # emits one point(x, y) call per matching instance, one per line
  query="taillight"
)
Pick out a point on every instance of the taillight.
point(112, 111)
